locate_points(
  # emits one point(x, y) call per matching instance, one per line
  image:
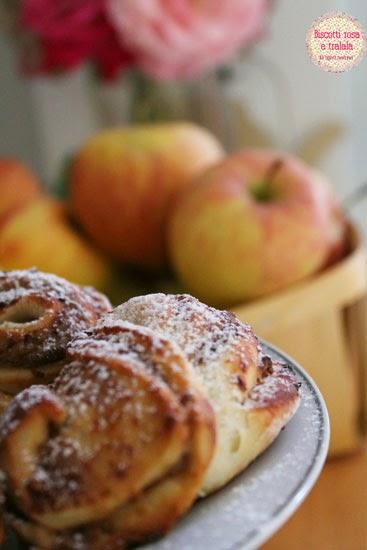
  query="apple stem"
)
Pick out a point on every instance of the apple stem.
point(272, 171)
point(263, 192)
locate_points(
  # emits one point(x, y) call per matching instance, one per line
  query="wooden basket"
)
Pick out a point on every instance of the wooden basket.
point(322, 323)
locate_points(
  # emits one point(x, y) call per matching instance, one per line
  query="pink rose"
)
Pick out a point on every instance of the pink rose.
point(178, 39)
point(70, 32)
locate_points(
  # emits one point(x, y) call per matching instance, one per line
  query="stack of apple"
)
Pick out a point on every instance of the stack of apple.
point(35, 231)
point(232, 228)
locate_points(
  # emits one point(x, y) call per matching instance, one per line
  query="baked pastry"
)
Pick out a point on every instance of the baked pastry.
point(161, 400)
point(252, 397)
point(39, 314)
point(115, 450)
point(155, 510)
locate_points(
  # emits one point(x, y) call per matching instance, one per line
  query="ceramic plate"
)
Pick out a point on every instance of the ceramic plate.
point(243, 515)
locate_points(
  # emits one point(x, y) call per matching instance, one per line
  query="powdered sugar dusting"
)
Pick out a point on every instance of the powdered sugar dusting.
point(22, 404)
point(225, 355)
point(277, 388)
point(63, 309)
point(205, 333)
point(115, 418)
point(223, 351)
point(142, 347)
point(122, 339)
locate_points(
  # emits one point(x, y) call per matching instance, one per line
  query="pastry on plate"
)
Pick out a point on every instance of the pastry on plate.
point(160, 401)
point(39, 314)
point(115, 450)
point(253, 398)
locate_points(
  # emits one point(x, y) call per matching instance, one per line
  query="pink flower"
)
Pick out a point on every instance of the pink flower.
point(178, 39)
point(70, 32)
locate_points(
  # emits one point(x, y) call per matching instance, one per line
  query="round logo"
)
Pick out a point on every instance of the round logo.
point(336, 42)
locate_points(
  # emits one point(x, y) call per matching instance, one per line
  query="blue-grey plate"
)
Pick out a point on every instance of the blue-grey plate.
point(247, 512)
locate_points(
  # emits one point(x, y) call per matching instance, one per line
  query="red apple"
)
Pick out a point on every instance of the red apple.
point(122, 182)
point(254, 223)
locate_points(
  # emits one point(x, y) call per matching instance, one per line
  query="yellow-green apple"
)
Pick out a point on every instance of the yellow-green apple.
point(18, 186)
point(123, 180)
point(254, 223)
point(38, 235)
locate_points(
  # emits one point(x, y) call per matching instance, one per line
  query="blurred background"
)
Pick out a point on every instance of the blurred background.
point(282, 90)
point(262, 91)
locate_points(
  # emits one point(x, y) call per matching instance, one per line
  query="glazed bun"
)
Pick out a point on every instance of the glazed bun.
point(252, 397)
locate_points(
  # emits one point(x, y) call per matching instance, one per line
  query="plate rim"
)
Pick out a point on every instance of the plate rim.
point(306, 484)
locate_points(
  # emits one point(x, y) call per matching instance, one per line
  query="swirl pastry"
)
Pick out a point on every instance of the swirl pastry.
point(39, 315)
point(252, 397)
point(114, 450)
point(159, 401)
